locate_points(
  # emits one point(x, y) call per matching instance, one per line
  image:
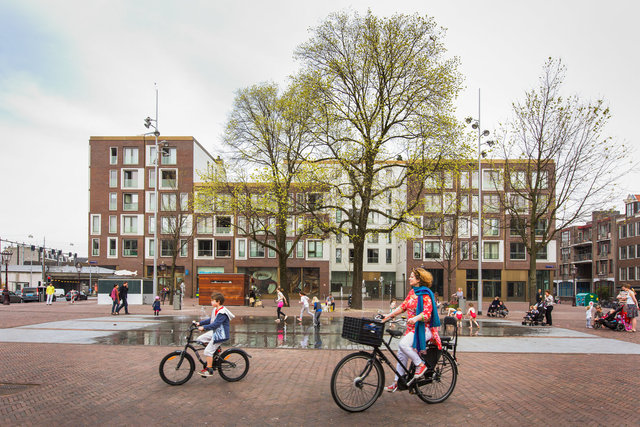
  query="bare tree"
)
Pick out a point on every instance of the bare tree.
point(384, 96)
point(559, 166)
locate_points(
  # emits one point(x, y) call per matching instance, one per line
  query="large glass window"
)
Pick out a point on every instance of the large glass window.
point(417, 250)
point(205, 225)
point(95, 247)
point(168, 178)
point(464, 250)
point(431, 249)
point(432, 203)
point(113, 155)
point(129, 247)
point(300, 250)
point(130, 178)
point(130, 224)
point(95, 224)
point(242, 248)
point(168, 201)
point(113, 178)
point(167, 247)
point(372, 256)
point(113, 201)
point(223, 224)
point(542, 253)
point(256, 250)
point(314, 249)
point(491, 250)
point(517, 251)
point(223, 248)
point(130, 156)
point(169, 155)
point(113, 246)
point(338, 255)
point(130, 202)
point(492, 227)
point(205, 247)
point(113, 224)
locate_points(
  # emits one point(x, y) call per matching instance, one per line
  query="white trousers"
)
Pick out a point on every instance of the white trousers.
point(49, 298)
point(305, 307)
point(406, 352)
point(211, 348)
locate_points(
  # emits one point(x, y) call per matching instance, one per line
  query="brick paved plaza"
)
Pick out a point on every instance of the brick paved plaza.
point(91, 384)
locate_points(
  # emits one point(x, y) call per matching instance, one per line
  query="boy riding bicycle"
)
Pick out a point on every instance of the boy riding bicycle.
point(217, 327)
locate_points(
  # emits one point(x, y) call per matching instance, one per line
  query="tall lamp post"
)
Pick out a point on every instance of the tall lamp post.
point(151, 123)
point(475, 124)
point(6, 257)
point(574, 271)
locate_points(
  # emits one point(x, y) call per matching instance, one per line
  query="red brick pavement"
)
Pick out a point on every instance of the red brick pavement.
point(70, 384)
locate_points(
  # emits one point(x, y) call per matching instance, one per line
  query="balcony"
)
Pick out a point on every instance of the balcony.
point(223, 253)
point(584, 257)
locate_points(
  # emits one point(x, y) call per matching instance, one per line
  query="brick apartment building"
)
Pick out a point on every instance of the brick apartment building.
point(628, 250)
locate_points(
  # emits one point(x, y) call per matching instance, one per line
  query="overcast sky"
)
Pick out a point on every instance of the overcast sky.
point(74, 69)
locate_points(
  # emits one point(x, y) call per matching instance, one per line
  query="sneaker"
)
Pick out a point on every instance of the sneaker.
point(391, 388)
point(420, 370)
point(206, 372)
point(285, 317)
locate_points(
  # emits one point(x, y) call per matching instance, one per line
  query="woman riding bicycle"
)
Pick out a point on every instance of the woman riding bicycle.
point(422, 323)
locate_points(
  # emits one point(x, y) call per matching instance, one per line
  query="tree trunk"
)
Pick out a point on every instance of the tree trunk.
point(356, 285)
point(532, 273)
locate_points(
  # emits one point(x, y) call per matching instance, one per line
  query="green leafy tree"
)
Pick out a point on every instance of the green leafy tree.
point(383, 101)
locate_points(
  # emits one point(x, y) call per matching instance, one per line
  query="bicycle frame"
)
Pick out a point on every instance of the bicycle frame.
point(189, 345)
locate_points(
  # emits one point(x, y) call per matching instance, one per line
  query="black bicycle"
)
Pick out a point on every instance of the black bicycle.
point(358, 379)
point(177, 367)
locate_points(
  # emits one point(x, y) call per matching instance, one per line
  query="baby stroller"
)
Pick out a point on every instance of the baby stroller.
point(532, 318)
point(611, 320)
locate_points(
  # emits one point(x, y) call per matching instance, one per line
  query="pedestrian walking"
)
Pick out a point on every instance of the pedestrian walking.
point(156, 306)
point(630, 305)
point(50, 292)
point(115, 298)
point(74, 296)
point(281, 300)
point(548, 305)
point(6, 299)
point(123, 291)
point(304, 300)
point(163, 294)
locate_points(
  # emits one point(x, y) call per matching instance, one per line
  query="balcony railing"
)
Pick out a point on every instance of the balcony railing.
point(223, 253)
point(583, 257)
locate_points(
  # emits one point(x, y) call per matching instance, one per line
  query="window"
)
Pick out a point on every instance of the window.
point(113, 178)
point(474, 180)
point(464, 250)
point(288, 247)
point(314, 201)
point(492, 227)
point(338, 255)
point(389, 255)
point(542, 253)
point(151, 201)
point(168, 179)
point(449, 225)
point(242, 248)
point(338, 216)
point(151, 249)
point(300, 250)
point(95, 224)
point(516, 226)
point(168, 224)
point(541, 227)
point(463, 227)
point(432, 250)
point(450, 201)
point(447, 250)
point(474, 203)
point(372, 238)
point(389, 216)
point(314, 249)
point(432, 203)
point(95, 247)
point(517, 251)
point(223, 225)
point(491, 250)
point(184, 247)
point(539, 180)
point(351, 254)
point(113, 156)
point(167, 247)
point(168, 202)
point(490, 203)
point(338, 238)
point(130, 178)
point(113, 247)
point(184, 201)
point(491, 179)
point(152, 224)
point(271, 253)
point(223, 248)
point(130, 224)
point(464, 203)
point(631, 251)
point(169, 155)
point(205, 247)
point(151, 159)
point(518, 179)
point(464, 179)
point(129, 202)
point(129, 247)
point(474, 250)
point(518, 203)
point(432, 226)
point(256, 250)
point(152, 178)
point(372, 256)
point(113, 201)
point(130, 156)
point(204, 225)
point(474, 226)
point(113, 224)
point(389, 238)
point(417, 250)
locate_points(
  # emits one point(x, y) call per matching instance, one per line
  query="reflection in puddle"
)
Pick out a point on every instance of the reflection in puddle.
point(263, 332)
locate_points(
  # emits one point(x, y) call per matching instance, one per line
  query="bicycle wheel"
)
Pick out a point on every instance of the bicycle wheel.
point(357, 381)
point(438, 383)
point(597, 325)
point(233, 365)
point(177, 370)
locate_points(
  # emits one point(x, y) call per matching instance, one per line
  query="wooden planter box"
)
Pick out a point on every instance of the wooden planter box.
point(234, 287)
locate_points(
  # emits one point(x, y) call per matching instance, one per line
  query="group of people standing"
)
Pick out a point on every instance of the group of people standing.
point(119, 298)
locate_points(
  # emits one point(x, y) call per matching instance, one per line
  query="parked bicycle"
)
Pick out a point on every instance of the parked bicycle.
point(358, 379)
point(177, 367)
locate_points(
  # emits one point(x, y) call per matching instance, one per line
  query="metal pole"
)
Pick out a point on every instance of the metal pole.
point(155, 213)
point(479, 213)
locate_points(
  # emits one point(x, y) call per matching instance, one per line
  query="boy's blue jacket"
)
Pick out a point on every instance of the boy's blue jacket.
point(219, 325)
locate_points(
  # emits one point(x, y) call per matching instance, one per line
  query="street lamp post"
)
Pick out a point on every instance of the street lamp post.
point(156, 133)
point(475, 124)
point(574, 271)
point(6, 257)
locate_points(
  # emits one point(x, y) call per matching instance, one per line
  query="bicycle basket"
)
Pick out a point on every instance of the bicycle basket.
point(363, 331)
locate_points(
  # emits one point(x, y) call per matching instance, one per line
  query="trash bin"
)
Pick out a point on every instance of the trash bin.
point(580, 298)
point(177, 301)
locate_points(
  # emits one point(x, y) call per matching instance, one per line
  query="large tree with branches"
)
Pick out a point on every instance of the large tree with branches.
point(383, 97)
point(559, 165)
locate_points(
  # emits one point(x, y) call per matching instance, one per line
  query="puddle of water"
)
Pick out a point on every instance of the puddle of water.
point(263, 332)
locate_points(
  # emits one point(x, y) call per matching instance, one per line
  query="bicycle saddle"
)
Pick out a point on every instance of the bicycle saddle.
point(394, 332)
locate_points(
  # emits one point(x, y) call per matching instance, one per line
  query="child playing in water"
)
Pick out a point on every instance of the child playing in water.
point(471, 312)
